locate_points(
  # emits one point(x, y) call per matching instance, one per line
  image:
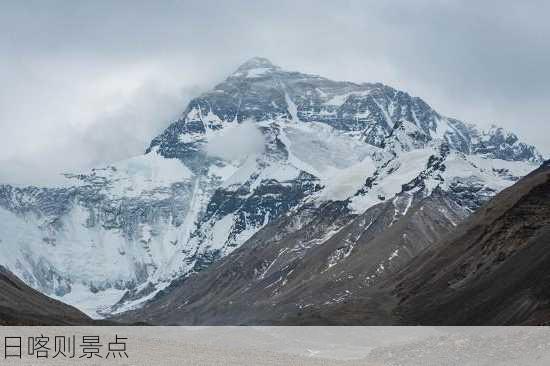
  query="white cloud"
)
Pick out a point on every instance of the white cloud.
point(80, 86)
point(43, 140)
point(236, 142)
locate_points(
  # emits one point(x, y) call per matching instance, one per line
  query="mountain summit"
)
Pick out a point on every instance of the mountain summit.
point(257, 62)
point(366, 156)
point(260, 91)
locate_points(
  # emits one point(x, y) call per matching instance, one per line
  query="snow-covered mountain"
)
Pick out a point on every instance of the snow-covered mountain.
point(261, 146)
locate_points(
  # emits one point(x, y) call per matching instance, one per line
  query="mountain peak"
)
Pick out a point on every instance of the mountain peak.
point(257, 62)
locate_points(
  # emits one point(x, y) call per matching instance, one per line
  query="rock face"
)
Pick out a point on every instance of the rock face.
point(21, 305)
point(382, 267)
point(307, 265)
point(266, 146)
point(260, 91)
point(494, 269)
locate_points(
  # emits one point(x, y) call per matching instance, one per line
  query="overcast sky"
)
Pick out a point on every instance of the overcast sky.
point(88, 82)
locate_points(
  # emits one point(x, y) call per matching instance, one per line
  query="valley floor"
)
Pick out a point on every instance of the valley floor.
point(306, 346)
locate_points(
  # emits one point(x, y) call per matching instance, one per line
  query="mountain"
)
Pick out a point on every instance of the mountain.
point(309, 262)
point(266, 149)
point(494, 270)
point(21, 305)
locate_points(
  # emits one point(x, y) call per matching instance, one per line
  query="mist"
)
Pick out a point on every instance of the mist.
point(88, 83)
point(237, 141)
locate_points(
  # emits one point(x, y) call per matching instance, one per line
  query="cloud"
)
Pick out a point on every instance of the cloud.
point(82, 79)
point(236, 142)
point(40, 149)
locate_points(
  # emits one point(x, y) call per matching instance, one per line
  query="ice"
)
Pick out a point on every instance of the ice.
point(92, 304)
point(220, 230)
point(292, 109)
point(343, 183)
point(402, 170)
point(142, 173)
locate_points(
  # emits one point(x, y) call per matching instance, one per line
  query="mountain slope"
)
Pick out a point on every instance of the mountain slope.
point(310, 262)
point(490, 270)
point(21, 305)
point(494, 270)
point(264, 144)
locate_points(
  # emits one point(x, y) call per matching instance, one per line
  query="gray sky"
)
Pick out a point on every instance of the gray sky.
point(88, 82)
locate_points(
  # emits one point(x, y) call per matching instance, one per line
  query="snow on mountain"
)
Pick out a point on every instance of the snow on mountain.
point(260, 145)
